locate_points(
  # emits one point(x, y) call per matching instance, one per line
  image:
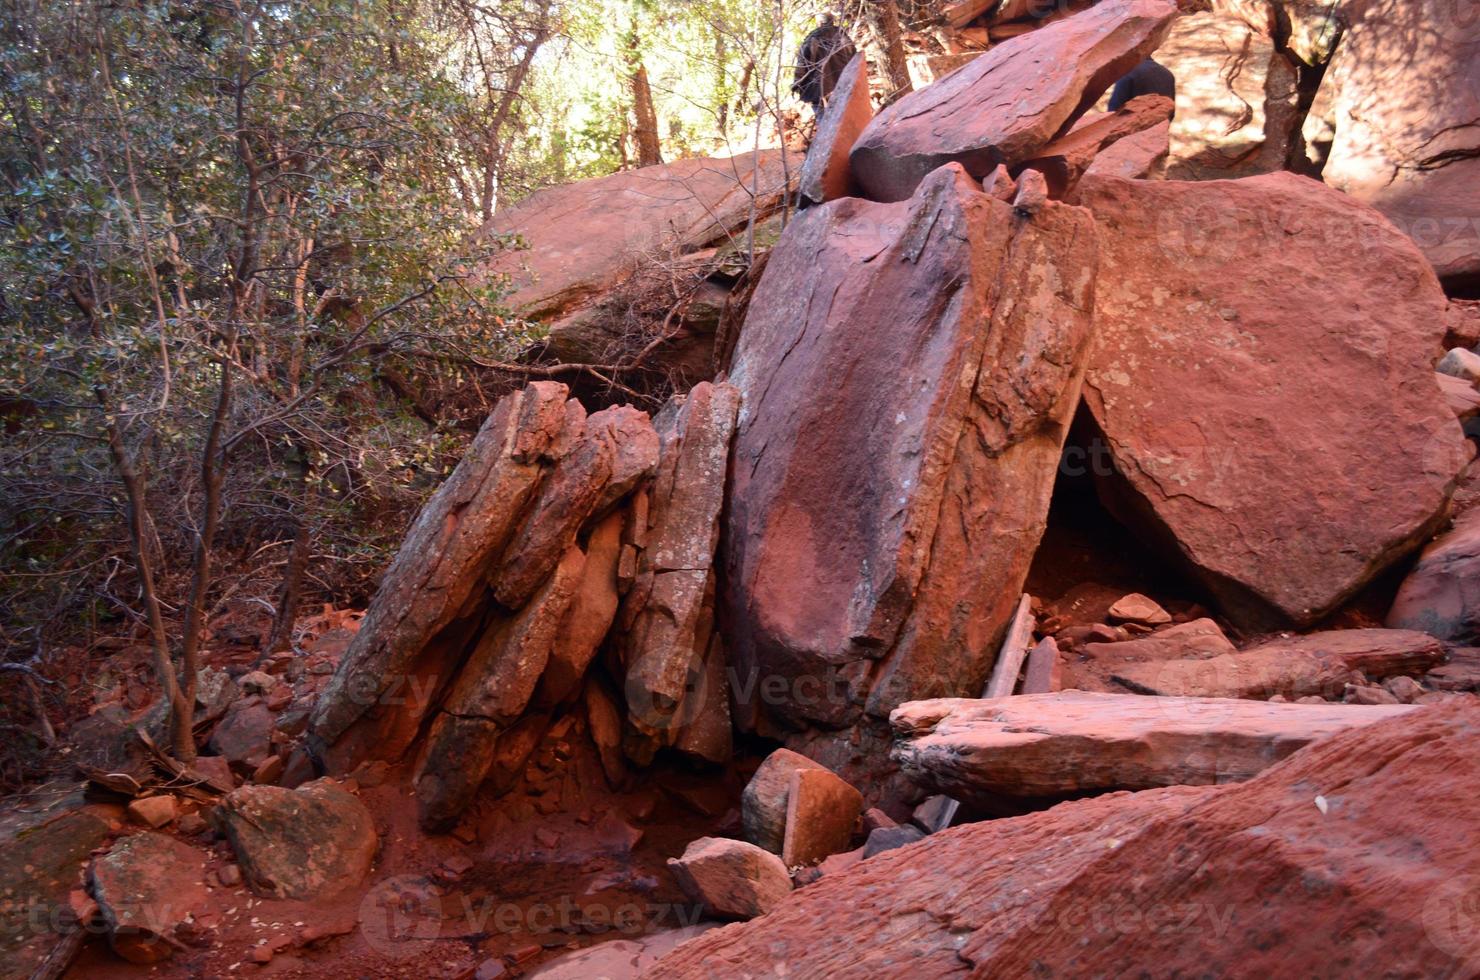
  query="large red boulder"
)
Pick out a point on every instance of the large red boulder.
point(1355, 856)
point(907, 371)
point(1264, 380)
point(1406, 86)
point(1005, 105)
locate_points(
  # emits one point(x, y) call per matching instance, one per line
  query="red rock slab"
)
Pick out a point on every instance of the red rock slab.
point(763, 804)
point(1354, 857)
point(1278, 429)
point(1044, 745)
point(1065, 160)
point(1045, 672)
point(1320, 664)
point(618, 450)
point(821, 814)
point(732, 879)
point(148, 886)
point(492, 690)
point(908, 372)
point(1006, 105)
point(1462, 396)
point(1142, 156)
point(583, 237)
point(1090, 666)
point(825, 172)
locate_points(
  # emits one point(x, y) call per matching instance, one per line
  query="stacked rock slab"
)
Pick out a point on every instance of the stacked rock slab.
point(475, 606)
point(429, 602)
point(1280, 428)
point(675, 679)
point(1008, 103)
point(1354, 856)
point(825, 173)
point(908, 371)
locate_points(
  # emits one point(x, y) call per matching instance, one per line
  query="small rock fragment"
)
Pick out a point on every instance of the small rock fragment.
point(152, 811)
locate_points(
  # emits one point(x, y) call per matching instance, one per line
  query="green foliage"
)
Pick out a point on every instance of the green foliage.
point(283, 193)
point(189, 188)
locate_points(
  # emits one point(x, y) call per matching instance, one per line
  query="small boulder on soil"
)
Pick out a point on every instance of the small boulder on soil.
point(153, 811)
point(821, 813)
point(147, 887)
point(763, 804)
point(299, 843)
point(731, 878)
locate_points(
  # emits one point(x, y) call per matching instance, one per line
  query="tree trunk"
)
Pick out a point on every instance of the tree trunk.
point(281, 635)
point(644, 115)
point(494, 149)
point(883, 18)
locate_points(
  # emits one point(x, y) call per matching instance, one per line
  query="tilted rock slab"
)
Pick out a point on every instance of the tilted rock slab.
point(586, 237)
point(438, 576)
point(671, 684)
point(825, 173)
point(474, 608)
point(1351, 857)
point(1264, 379)
point(1080, 742)
point(1321, 664)
point(1010, 102)
point(1066, 159)
point(908, 372)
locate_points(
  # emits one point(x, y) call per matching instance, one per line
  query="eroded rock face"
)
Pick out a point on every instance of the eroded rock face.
point(300, 844)
point(1279, 428)
point(908, 372)
point(1072, 742)
point(1379, 817)
point(1005, 105)
point(1406, 83)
